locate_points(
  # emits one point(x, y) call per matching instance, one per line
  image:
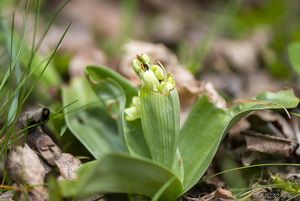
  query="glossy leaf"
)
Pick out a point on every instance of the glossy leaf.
point(120, 173)
point(87, 118)
point(135, 139)
point(160, 122)
point(102, 73)
point(113, 95)
point(207, 124)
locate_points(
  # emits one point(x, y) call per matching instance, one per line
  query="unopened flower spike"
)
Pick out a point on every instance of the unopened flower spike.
point(153, 77)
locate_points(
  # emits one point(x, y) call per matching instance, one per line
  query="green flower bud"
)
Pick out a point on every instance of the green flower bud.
point(136, 101)
point(154, 76)
point(132, 113)
point(159, 72)
point(167, 86)
point(170, 79)
point(150, 79)
point(137, 66)
point(145, 58)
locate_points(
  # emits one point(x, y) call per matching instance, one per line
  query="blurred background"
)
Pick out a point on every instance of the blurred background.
point(232, 44)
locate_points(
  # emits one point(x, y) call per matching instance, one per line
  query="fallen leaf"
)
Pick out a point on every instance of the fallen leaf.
point(24, 166)
point(296, 128)
point(67, 165)
point(221, 193)
point(7, 196)
point(45, 146)
point(269, 144)
point(277, 119)
point(238, 128)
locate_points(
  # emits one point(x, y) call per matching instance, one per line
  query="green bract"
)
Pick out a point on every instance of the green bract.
point(142, 149)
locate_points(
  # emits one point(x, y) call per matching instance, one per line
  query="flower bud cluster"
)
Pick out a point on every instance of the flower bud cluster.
point(153, 76)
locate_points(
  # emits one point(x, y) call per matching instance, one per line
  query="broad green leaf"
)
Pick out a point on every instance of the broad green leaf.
point(160, 122)
point(199, 139)
point(88, 120)
point(282, 99)
point(120, 173)
point(267, 100)
point(207, 124)
point(102, 73)
point(294, 52)
point(135, 139)
point(178, 165)
point(163, 189)
point(113, 95)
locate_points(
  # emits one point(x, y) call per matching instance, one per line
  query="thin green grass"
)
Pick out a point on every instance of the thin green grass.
point(16, 79)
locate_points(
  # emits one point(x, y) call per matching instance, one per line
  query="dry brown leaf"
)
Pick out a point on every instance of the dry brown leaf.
point(224, 194)
point(271, 116)
point(238, 128)
point(270, 144)
point(67, 165)
point(7, 196)
point(25, 167)
point(210, 91)
point(296, 128)
point(45, 146)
